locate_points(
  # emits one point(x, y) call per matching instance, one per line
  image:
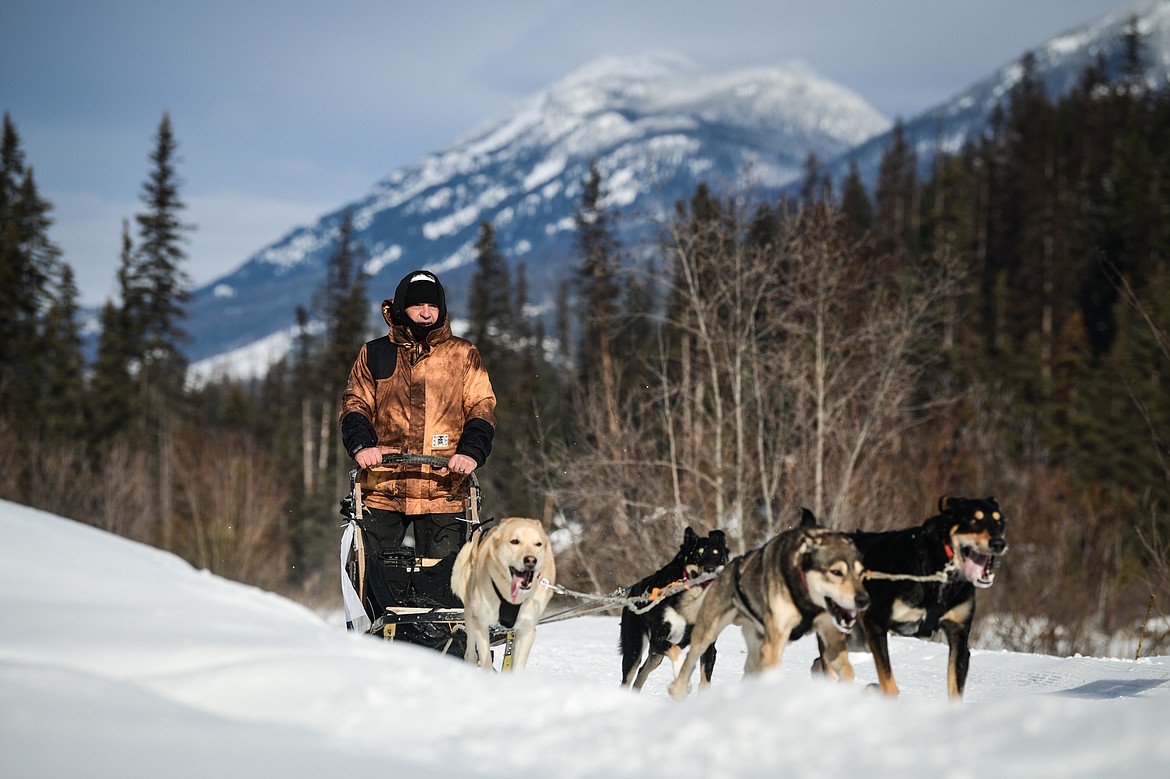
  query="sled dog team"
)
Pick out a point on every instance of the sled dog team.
point(846, 588)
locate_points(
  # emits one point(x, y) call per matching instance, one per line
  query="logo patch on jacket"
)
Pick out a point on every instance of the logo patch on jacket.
point(439, 440)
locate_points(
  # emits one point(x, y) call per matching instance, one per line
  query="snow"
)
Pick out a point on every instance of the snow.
point(251, 361)
point(119, 660)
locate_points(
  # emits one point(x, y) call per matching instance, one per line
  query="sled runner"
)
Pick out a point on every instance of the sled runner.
point(403, 596)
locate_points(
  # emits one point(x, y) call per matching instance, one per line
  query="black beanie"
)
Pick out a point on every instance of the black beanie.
point(421, 289)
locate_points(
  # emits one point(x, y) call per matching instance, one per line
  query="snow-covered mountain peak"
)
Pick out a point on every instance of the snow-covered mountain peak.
point(1059, 64)
point(627, 67)
point(652, 86)
point(656, 125)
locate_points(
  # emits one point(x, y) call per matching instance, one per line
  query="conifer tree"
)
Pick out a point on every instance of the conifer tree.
point(111, 396)
point(158, 289)
point(1125, 443)
point(855, 204)
point(599, 250)
point(816, 187)
point(519, 305)
point(320, 367)
point(764, 228)
point(161, 285)
point(28, 261)
point(343, 305)
point(17, 286)
point(64, 410)
point(1133, 57)
point(896, 202)
point(563, 327)
point(304, 375)
point(489, 304)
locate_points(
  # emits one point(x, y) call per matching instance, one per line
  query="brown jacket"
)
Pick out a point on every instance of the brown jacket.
point(432, 398)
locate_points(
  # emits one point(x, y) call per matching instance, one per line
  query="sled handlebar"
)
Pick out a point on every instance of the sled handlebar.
point(349, 504)
point(425, 459)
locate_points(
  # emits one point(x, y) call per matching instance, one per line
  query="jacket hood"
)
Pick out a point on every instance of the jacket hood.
point(394, 310)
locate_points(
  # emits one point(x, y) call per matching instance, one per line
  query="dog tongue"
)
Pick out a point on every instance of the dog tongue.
point(974, 571)
point(516, 582)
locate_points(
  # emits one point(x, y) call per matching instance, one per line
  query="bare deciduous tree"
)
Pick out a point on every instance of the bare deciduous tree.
point(784, 376)
point(231, 501)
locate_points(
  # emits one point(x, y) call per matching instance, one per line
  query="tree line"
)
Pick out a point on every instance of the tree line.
point(995, 327)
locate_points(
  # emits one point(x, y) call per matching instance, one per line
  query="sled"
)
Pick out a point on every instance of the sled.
point(419, 605)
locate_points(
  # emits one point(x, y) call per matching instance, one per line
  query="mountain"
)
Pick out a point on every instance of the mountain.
point(656, 125)
point(1059, 64)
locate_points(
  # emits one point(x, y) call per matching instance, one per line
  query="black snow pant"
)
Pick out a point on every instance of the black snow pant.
point(390, 580)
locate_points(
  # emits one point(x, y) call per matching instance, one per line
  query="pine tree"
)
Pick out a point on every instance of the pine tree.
point(816, 187)
point(599, 250)
point(17, 283)
point(1126, 443)
point(304, 378)
point(28, 262)
point(855, 205)
point(64, 413)
point(343, 305)
point(1133, 57)
point(319, 369)
point(490, 309)
point(764, 229)
point(161, 285)
point(111, 397)
point(158, 289)
point(896, 202)
point(563, 326)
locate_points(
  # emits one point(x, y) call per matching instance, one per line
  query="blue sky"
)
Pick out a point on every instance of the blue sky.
point(286, 110)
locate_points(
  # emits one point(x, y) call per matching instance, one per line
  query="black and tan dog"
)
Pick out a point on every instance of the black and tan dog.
point(807, 578)
point(665, 629)
point(922, 580)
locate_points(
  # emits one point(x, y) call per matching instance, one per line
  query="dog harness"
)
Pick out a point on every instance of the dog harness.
point(509, 611)
point(941, 576)
point(741, 599)
point(744, 606)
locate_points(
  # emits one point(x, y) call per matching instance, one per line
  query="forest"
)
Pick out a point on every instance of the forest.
point(998, 326)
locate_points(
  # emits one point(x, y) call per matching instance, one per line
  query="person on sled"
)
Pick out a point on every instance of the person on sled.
point(418, 389)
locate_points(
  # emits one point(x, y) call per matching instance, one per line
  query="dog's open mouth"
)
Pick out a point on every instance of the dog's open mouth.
point(843, 619)
point(521, 580)
point(978, 568)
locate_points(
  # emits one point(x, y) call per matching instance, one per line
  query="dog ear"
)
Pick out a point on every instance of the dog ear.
point(807, 518)
point(690, 536)
point(717, 536)
point(945, 504)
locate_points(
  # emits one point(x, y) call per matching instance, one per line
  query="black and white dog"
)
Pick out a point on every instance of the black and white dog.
point(666, 627)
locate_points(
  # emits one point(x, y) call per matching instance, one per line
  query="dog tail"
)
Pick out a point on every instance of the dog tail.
point(631, 643)
point(461, 570)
